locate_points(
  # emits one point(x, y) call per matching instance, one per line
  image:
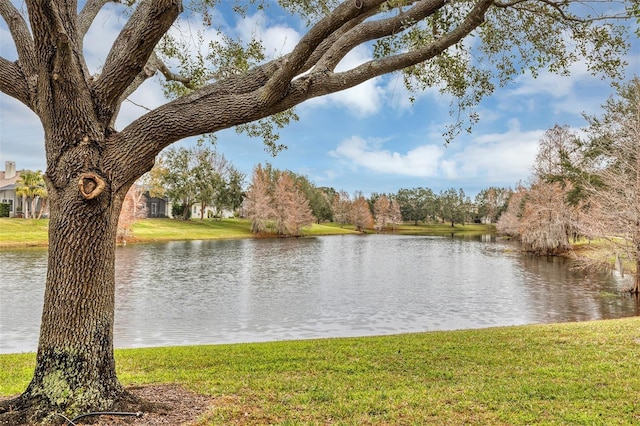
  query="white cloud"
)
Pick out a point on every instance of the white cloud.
point(576, 93)
point(422, 161)
point(551, 84)
point(276, 39)
point(494, 157)
point(500, 156)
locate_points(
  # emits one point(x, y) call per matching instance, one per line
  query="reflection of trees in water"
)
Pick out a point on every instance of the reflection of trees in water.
point(584, 296)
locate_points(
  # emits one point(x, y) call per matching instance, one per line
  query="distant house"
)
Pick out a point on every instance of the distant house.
point(8, 182)
point(209, 212)
point(8, 179)
point(157, 207)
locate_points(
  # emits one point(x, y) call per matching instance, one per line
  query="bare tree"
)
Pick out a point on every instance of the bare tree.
point(290, 206)
point(509, 222)
point(395, 215)
point(382, 212)
point(341, 206)
point(361, 216)
point(613, 215)
point(546, 219)
point(91, 164)
point(134, 207)
point(260, 201)
point(549, 220)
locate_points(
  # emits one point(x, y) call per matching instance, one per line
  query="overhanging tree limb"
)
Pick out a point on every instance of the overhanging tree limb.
point(372, 30)
point(295, 62)
point(322, 85)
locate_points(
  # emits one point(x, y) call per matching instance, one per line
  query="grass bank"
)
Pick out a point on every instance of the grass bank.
point(23, 232)
point(577, 373)
point(32, 232)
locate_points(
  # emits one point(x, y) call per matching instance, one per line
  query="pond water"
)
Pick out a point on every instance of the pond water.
point(251, 290)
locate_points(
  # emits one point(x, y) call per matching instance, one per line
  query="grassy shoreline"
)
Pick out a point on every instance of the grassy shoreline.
point(18, 233)
point(574, 373)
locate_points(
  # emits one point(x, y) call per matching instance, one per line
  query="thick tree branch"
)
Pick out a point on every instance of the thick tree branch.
point(13, 83)
point(89, 13)
point(21, 36)
point(329, 43)
point(372, 30)
point(132, 49)
point(157, 64)
point(322, 84)
point(296, 60)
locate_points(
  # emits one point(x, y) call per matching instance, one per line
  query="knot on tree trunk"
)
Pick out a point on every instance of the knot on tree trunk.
point(91, 185)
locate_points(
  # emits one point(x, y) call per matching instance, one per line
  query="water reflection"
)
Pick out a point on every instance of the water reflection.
point(273, 289)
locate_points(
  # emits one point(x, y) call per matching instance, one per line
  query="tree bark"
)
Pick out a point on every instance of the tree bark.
point(75, 367)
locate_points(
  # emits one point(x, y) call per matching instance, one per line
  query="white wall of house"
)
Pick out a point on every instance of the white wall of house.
point(209, 212)
point(8, 182)
point(8, 179)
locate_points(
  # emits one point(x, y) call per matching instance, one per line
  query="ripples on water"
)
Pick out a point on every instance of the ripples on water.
point(275, 289)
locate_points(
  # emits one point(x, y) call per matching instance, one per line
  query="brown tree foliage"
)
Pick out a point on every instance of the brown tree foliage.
point(361, 216)
point(290, 206)
point(341, 206)
point(276, 204)
point(509, 221)
point(259, 202)
point(386, 212)
point(134, 207)
point(546, 221)
point(382, 212)
point(541, 216)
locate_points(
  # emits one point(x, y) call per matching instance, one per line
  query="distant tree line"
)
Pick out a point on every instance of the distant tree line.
point(286, 212)
point(283, 202)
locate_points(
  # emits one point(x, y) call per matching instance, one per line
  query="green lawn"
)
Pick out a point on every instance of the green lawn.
point(31, 232)
point(23, 232)
point(445, 229)
point(561, 374)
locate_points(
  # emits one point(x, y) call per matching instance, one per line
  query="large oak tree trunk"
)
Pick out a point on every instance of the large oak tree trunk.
point(75, 368)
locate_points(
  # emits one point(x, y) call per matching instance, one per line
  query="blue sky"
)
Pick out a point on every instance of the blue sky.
point(369, 138)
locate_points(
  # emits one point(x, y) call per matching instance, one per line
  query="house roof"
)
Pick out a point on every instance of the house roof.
point(8, 183)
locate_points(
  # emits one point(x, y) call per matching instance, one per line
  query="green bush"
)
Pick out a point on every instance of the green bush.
point(5, 209)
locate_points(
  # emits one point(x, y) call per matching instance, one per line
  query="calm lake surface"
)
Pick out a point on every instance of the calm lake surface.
point(251, 290)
